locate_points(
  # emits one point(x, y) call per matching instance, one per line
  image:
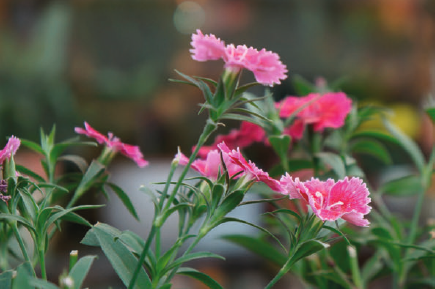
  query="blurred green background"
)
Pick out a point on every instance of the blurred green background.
point(108, 62)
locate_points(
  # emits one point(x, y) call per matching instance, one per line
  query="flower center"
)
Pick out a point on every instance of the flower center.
point(320, 196)
point(339, 203)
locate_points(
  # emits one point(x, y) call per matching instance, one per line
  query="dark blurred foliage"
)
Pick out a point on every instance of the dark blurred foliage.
point(108, 62)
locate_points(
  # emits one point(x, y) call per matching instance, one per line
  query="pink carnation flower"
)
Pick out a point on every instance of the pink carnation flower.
point(347, 199)
point(250, 170)
point(266, 65)
point(206, 47)
point(114, 143)
point(10, 149)
point(210, 167)
point(322, 111)
point(243, 137)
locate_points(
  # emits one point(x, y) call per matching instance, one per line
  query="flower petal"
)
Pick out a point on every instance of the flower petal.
point(206, 47)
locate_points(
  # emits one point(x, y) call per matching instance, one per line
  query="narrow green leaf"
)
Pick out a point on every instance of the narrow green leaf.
point(216, 195)
point(79, 161)
point(19, 219)
point(367, 134)
point(334, 161)
point(42, 284)
point(373, 148)
point(337, 231)
point(250, 112)
point(169, 255)
point(208, 80)
point(229, 203)
point(32, 145)
point(340, 279)
point(287, 211)
point(190, 79)
point(193, 256)
point(208, 95)
point(133, 241)
point(75, 218)
point(62, 213)
point(243, 88)
point(53, 186)
point(308, 248)
point(90, 239)
point(412, 246)
point(405, 186)
point(263, 201)
point(241, 117)
point(408, 144)
point(80, 270)
point(173, 209)
point(281, 145)
point(262, 248)
point(94, 171)
point(204, 278)
point(27, 172)
point(122, 260)
point(6, 279)
point(152, 196)
point(229, 219)
point(29, 203)
point(42, 218)
point(59, 148)
point(24, 274)
point(371, 267)
point(125, 199)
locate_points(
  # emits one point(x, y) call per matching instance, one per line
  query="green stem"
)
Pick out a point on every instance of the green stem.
point(354, 267)
point(142, 256)
point(416, 217)
point(41, 256)
point(284, 269)
point(157, 243)
point(188, 250)
point(20, 242)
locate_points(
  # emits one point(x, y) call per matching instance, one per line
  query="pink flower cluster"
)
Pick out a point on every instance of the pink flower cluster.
point(347, 199)
point(114, 143)
point(211, 166)
point(266, 65)
point(10, 149)
point(322, 111)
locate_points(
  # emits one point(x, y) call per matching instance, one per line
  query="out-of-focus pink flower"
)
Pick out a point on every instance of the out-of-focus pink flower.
point(92, 133)
point(266, 65)
point(210, 167)
point(322, 111)
point(347, 199)
point(295, 130)
point(10, 149)
point(250, 170)
point(134, 153)
point(247, 134)
point(114, 143)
